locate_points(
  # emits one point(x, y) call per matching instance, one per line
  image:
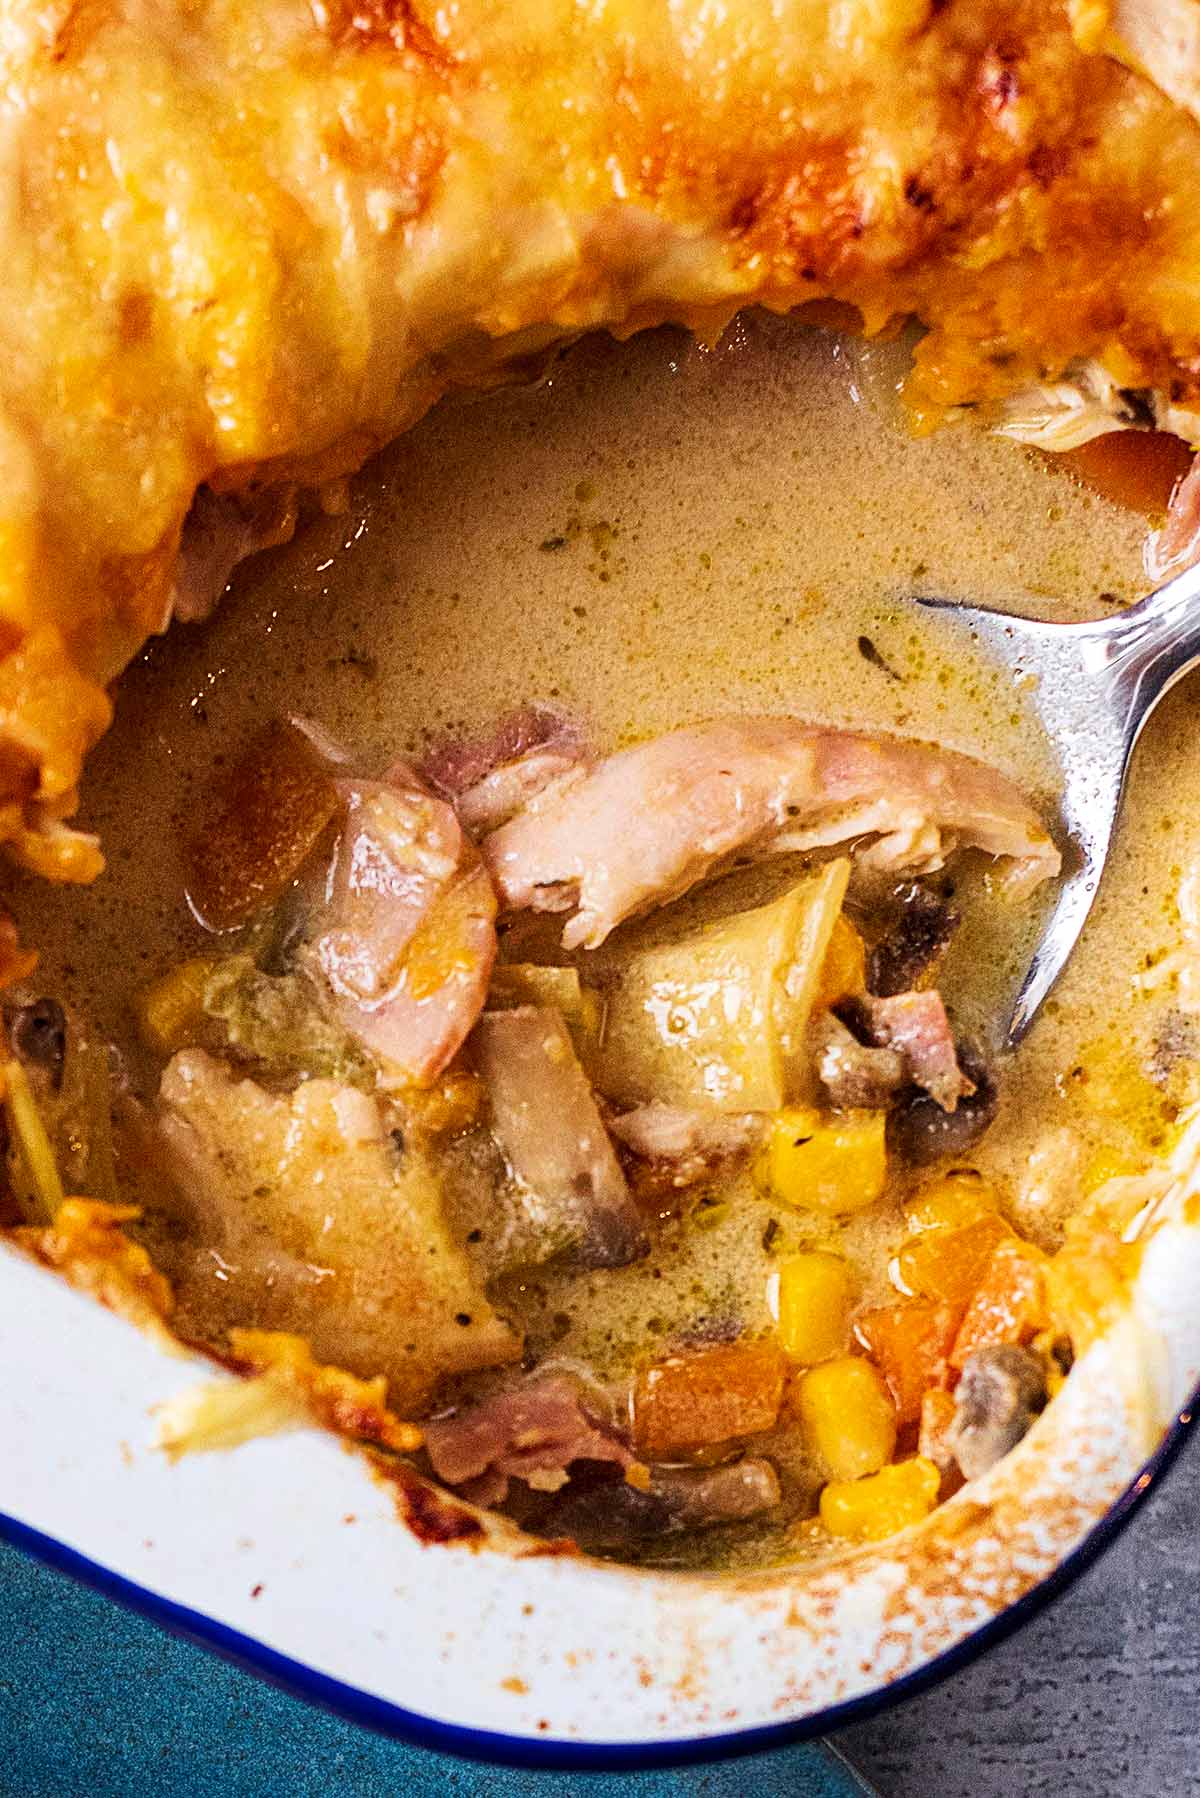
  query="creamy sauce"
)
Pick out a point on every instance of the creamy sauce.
point(656, 534)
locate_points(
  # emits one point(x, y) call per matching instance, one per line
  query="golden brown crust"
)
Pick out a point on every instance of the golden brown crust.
point(87, 1245)
point(249, 243)
point(342, 1403)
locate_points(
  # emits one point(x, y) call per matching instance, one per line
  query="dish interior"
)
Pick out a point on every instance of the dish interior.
point(654, 535)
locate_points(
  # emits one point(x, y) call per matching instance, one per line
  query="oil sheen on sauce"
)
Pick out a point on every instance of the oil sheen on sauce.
point(654, 534)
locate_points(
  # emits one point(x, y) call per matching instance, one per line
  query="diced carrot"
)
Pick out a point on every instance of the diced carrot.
point(266, 816)
point(1138, 469)
point(844, 971)
point(1089, 1281)
point(949, 1264)
point(911, 1345)
point(1008, 1305)
point(937, 1415)
point(714, 1395)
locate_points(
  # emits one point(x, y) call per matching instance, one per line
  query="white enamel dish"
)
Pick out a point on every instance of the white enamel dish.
point(290, 1556)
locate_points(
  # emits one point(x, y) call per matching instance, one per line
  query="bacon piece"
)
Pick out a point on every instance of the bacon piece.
point(546, 1120)
point(648, 823)
point(916, 1026)
point(535, 1432)
point(408, 938)
point(491, 778)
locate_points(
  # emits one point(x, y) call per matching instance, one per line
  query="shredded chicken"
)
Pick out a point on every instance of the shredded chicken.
point(491, 778)
point(650, 822)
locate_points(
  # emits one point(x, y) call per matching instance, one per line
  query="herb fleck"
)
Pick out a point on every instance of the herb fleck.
point(869, 653)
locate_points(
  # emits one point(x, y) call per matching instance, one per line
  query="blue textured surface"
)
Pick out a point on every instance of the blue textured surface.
point(95, 1700)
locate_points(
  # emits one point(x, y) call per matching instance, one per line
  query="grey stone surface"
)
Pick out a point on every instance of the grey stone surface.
point(1098, 1697)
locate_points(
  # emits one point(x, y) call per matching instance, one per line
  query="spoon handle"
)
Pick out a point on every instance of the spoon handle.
point(1145, 650)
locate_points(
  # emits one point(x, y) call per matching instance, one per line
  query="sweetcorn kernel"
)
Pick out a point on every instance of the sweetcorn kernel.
point(848, 1416)
point(869, 1509)
point(951, 1201)
point(1105, 1165)
point(170, 1011)
point(833, 1162)
point(813, 1306)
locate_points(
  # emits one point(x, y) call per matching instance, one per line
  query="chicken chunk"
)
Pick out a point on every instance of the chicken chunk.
point(407, 939)
point(651, 821)
point(321, 1225)
point(548, 1124)
point(491, 778)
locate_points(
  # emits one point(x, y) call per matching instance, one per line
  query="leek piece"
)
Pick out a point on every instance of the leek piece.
point(35, 1175)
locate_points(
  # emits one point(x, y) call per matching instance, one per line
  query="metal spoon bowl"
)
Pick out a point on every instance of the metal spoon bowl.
point(1094, 687)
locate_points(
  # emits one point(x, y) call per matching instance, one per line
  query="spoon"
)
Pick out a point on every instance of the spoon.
point(1095, 685)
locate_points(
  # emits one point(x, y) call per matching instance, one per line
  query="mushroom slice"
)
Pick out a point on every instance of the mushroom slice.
point(1001, 1392)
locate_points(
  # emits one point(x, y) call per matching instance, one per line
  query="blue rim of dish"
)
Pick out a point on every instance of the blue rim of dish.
point(386, 1718)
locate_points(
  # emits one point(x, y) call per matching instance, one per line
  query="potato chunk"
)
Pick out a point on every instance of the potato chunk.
point(324, 1227)
point(527, 983)
point(717, 1019)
